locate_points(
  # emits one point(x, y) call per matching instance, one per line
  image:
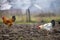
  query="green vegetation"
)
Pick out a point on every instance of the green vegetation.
point(45, 19)
point(22, 20)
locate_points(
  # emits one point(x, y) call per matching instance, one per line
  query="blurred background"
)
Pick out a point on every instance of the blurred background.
point(31, 11)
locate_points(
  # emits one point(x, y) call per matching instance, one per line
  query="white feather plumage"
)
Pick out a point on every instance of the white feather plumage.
point(47, 26)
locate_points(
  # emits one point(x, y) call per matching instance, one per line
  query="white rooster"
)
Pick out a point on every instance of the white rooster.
point(47, 26)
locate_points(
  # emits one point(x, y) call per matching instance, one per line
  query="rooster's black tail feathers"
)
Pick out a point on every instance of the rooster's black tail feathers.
point(14, 18)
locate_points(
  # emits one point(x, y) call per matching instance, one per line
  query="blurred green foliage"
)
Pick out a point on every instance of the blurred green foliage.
point(22, 20)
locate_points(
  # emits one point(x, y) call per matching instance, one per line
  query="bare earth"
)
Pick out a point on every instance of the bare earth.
point(27, 32)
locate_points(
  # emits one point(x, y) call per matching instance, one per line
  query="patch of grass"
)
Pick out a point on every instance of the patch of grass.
point(25, 22)
point(48, 19)
point(0, 22)
point(22, 20)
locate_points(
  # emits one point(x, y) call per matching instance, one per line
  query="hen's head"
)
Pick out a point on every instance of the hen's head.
point(2, 17)
point(40, 27)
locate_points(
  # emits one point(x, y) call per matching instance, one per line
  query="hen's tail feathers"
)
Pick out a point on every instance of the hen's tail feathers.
point(14, 18)
point(53, 22)
point(58, 22)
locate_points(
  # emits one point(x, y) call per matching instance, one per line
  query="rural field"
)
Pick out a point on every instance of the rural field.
point(25, 26)
point(29, 19)
point(22, 30)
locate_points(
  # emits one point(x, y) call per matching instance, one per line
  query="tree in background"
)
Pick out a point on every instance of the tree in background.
point(28, 16)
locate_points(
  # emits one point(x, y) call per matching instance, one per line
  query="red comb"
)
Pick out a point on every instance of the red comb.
point(2, 17)
point(38, 27)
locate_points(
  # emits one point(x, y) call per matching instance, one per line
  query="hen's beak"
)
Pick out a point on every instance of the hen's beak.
point(2, 17)
point(38, 27)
